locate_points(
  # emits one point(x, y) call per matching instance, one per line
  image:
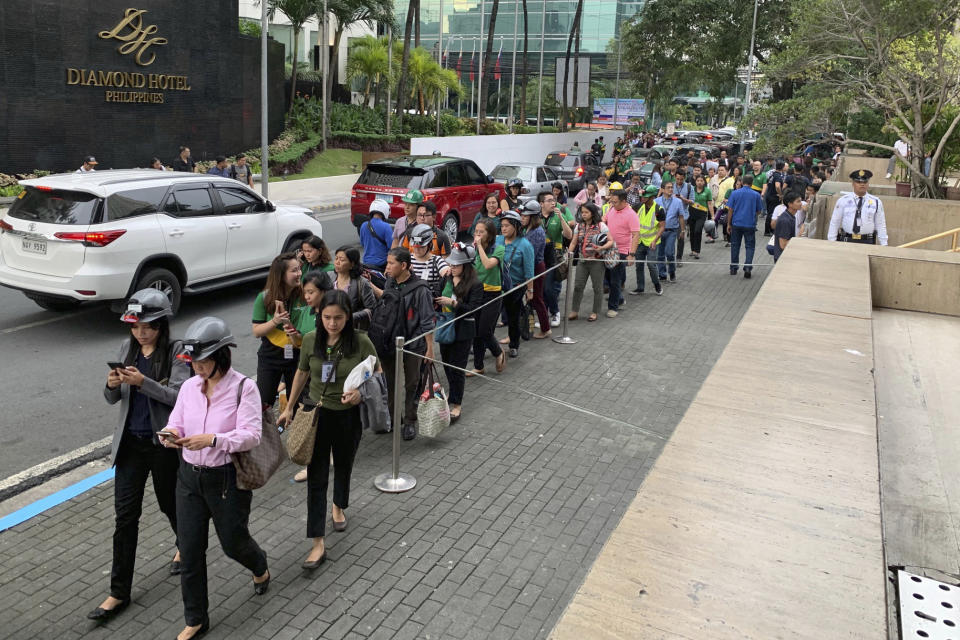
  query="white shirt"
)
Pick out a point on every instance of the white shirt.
point(82, 170)
point(871, 217)
point(901, 147)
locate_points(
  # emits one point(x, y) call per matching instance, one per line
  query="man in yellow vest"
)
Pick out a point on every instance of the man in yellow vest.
point(652, 221)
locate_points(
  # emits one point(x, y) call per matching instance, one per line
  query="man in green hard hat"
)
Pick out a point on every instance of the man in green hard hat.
point(411, 200)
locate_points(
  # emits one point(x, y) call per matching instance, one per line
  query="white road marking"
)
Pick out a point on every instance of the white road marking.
point(40, 323)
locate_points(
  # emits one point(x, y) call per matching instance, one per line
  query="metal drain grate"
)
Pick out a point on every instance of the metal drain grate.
point(928, 608)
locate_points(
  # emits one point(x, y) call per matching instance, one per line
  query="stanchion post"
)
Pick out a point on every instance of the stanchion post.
point(564, 338)
point(396, 482)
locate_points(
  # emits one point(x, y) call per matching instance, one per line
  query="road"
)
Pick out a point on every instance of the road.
point(54, 364)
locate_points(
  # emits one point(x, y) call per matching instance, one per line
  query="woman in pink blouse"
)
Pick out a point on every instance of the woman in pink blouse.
point(218, 413)
point(590, 194)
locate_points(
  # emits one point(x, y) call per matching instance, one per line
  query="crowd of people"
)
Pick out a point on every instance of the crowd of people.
point(238, 170)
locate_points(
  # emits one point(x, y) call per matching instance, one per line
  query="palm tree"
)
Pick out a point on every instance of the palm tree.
point(523, 68)
point(298, 12)
point(348, 12)
point(412, 9)
point(482, 103)
point(427, 78)
point(566, 69)
point(367, 59)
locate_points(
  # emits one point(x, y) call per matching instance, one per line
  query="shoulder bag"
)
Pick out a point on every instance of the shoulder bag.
point(256, 466)
point(302, 430)
point(433, 412)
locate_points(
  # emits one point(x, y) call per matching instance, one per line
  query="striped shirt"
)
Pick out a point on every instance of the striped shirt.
point(429, 270)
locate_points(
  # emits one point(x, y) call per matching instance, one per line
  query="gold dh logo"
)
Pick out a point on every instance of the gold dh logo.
point(136, 37)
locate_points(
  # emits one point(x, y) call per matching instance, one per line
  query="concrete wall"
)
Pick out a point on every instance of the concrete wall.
point(489, 151)
point(929, 283)
point(878, 166)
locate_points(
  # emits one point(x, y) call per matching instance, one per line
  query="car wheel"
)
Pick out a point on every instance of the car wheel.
point(293, 245)
point(451, 226)
point(53, 304)
point(164, 281)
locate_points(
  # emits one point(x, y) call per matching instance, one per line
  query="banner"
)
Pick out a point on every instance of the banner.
point(629, 110)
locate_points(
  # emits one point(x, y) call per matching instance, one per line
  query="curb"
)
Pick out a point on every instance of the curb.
point(323, 208)
point(42, 472)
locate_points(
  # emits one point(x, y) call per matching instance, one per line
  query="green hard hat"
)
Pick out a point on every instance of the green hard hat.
point(650, 190)
point(414, 196)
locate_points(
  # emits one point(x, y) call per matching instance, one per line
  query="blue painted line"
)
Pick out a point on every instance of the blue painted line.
point(54, 499)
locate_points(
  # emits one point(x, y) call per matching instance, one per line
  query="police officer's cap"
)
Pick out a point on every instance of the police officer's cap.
point(861, 175)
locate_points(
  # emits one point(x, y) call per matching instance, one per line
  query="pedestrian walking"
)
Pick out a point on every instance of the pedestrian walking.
point(858, 216)
point(786, 225)
point(89, 165)
point(440, 242)
point(217, 414)
point(316, 256)
point(156, 164)
point(276, 316)
point(775, 189)
point(347, 277)
point(625, 230)
point(674, 224)
point(329, 354)
point(518, 262)
point(462, 294)
point(425, 265)
point(240, 171)
point(490, 210)
point(221, 168)
point(511, 199)
point(589, 194)
point(700, 211)
point(376, 236)
point(586, 245)
point(744, 206)
point(489, 267)
point(533, 231)
point(411, 201)
point(683, 190)
point(146, 384)
point(652, 224)
point(556, 225)
point(184, 162)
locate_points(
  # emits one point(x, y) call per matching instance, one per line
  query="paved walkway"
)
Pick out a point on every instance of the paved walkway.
point(513, 504)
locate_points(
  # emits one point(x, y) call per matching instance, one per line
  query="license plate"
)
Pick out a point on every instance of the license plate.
point(383, 196)
point(35, 246)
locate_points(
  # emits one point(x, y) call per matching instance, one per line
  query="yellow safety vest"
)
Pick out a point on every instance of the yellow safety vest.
point(648, 223)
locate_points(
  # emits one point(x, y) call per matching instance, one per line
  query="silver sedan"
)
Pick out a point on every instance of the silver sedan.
point(537, 178)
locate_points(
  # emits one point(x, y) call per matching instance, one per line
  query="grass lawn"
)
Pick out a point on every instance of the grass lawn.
point(332, 162)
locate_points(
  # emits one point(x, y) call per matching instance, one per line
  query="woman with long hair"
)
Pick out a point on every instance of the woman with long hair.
point(488, 264)
point(589, 194)
point(316, 256)
point(489, 211)
point(277, 313)
point(533, 231)
point(603, 187)
point(347, 277)
point(701, 210)
point(586, 241)
point(146, 386)
point(462, 293)
point(518, 261)
point(217, 415)
point(329, 354)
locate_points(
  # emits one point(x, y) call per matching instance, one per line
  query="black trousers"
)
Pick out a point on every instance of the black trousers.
point(456, 354)
point(411, 378)
point(695, 228)
point(486, 325)
point(771, 205)
point(339, 432)
point(201, 496)
point(137, 459)
point(681, 238)
point(270, 372)
point(513, 303)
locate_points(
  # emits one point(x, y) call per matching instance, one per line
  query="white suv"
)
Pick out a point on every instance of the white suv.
point(103, 235)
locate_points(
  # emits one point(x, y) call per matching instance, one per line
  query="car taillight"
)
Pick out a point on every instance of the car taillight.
point(353, 193)
point(579, 171)
point(4, 226)
point(91, 239)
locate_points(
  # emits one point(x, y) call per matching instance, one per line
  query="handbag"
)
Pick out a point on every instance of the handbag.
point(256, 466)
point(302, 430)
point(445, 334)
point(564, 268)
point(433, 412)
point(526, 322)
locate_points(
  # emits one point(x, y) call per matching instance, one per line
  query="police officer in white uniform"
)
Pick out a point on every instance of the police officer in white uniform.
point(858, 216)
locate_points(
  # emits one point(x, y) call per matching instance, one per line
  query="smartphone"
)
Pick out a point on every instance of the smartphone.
point(115, 365)
point(167, 435)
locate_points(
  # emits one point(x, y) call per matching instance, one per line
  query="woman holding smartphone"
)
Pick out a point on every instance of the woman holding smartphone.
point(276, 315)
point(217, 414)
point(145, 380)
point(329, 355)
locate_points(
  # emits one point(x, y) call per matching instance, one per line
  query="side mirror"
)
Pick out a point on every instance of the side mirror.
point(271, 206)
point(490, 180)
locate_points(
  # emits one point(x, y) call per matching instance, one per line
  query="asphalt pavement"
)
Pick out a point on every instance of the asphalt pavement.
point(54, 364)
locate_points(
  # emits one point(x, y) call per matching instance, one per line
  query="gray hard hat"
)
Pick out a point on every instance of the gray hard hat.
point(461, 254)
point(709, 226)
point(513, 216)
point(147, 305)
point(205, 337)
point(530, 208)
point(421, 235)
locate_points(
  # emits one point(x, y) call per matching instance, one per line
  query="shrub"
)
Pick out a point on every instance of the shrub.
point(249, 28)
point(369, 142)
point(10, 191)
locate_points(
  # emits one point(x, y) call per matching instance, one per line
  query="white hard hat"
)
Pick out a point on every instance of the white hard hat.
point(380, 206)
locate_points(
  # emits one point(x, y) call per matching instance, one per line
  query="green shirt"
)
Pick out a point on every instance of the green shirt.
point(701, 200)
point(666, 177)
point(307, 268)
point(490, 277)
point(554, 228)
point(759, 180)
point(330, 398)
point(277, 336)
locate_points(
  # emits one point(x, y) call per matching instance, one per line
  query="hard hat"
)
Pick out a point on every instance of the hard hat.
point(650, 190)
point(147, 305)
point(710, 227)
point(414, 196)
point(616, 186)
point(421, 235)
point(514, 182)
point(512, 216)
point(530, 208)
point(461, 254)
point(204, 338)
point(380, 206)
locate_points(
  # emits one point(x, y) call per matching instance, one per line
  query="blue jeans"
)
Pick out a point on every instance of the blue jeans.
point(617, 277)
point(551, 291)
point(648, 255)
point(667, 249)
point(749, 237)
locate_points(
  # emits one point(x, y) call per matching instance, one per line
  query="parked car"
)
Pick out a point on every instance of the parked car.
point(657, 153)
point(576, 167)
point(101, 236)
point(456, 185)
point(537, 178)
point(682, 150)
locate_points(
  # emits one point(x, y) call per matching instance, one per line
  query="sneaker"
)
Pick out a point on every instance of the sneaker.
point(673, 278)
point(659, 291)
point(409, 431)
point(611, 313)
point(514, 353)
point(636, 292)
point(726, 244)
point(746, 274)
point(663, 278)
point(733, 272)
point(536, 324)
point(888, 176)
point(555, 320)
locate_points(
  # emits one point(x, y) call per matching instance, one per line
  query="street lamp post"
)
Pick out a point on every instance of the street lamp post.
point(389, 71)
point(513, 66)
point(753, 34)
point(480, 69)
point(440, 60)
point(264, 133)
point(616, 90)
point(325, 69)
point(543, 31)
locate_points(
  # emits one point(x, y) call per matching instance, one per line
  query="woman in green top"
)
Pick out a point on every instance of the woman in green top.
point(328, 356)
point(316, 255)
point(487, 265)
point(625, 164)
point(701, 210)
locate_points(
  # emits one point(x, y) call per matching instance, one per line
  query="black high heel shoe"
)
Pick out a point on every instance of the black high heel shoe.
point(102, 615)
point(260, 588)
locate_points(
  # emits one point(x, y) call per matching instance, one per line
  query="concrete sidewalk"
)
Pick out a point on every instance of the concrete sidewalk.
point(512, 506)
point(319, 194)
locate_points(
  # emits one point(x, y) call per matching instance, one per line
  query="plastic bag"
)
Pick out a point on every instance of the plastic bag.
point(360, 374)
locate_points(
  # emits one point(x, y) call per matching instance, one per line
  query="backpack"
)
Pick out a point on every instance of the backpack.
point(389, 318)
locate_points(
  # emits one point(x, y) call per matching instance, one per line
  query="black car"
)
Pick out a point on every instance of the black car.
point(576, 167)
